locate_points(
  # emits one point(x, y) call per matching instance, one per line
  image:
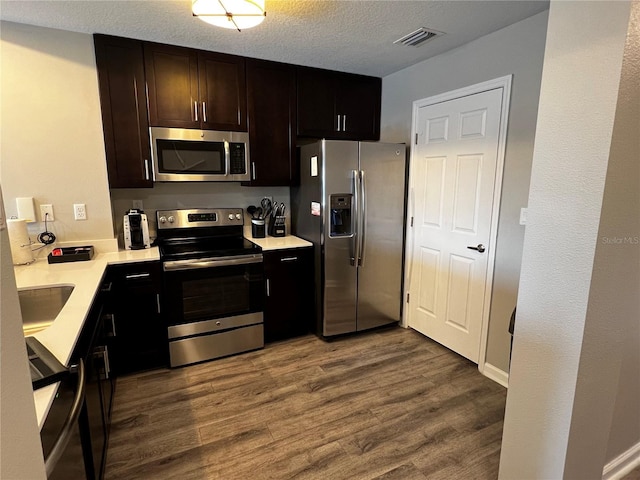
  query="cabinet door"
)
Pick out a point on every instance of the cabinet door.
point(223, 91)
point(358, 104)
point(272, 118)
point(172, 82)
point(316, 104)
point(121, 81)
point(140, 340)
point(289, 301)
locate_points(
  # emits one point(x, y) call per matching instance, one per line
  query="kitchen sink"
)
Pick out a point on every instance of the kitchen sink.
point(41, 306)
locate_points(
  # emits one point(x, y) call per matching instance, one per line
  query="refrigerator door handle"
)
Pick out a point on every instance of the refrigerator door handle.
point(363, 218)
point(355, 222)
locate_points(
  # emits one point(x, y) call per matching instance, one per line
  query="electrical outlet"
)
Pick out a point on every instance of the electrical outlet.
point(137, 204)
point(46, 212)
point(79, 211)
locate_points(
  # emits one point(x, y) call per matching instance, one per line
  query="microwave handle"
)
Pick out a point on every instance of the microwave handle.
point(227, 159)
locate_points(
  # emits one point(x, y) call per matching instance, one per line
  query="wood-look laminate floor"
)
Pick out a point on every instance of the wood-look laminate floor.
point(389, 404)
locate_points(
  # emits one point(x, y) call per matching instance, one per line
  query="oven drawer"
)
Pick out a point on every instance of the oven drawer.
point(217, 325)
point(208, 347)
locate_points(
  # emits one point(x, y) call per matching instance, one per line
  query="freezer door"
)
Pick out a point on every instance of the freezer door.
point(382, 169)
point(339, 161)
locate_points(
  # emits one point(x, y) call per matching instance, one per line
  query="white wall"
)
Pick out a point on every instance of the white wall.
point(20, 449)
point(517, 49)
point(618, 250)
point(567, 344)
point(52, 146)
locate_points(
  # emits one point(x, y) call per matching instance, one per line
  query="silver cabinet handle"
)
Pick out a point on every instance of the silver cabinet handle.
point(137, 275)
point(253, 170)
point(338, 122)
point(195, 110)
point(158, 301)
point(268, 288)
point(110, 317)
point(62, 441)
point(289, 259)
point(105, 358)
point(344, 123)
point(204, 112)
point(146, 169)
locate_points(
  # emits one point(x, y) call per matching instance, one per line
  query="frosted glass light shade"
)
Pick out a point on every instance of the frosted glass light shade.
point(234, 14)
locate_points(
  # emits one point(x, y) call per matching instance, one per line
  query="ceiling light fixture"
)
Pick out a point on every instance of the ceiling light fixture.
point(235, 14)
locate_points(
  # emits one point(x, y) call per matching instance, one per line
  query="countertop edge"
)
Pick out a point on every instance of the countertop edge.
point(61, 337)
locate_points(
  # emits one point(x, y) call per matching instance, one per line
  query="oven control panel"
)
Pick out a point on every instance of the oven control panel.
point(200, 217)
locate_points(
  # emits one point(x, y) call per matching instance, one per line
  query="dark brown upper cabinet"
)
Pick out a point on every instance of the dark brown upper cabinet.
point(190, 88)
point(338, 105)
point(271, 89)
point(121, 82)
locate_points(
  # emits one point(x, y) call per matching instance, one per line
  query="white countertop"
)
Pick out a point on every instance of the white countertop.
point(60, 338)
point(276, 243)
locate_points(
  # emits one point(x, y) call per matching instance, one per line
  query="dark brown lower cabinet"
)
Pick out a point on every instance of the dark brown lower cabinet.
point(140, 338)
point(289, 297)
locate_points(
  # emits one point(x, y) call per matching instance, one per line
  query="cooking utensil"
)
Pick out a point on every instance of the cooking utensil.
point(267, 206)
point(258, 213)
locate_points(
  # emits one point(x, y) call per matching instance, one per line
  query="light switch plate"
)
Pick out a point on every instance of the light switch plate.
point(523, 216)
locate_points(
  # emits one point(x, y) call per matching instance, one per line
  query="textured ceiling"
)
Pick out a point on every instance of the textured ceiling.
point(350, 36)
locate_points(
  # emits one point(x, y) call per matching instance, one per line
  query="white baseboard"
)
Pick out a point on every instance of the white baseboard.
point(495, 374)
point(622, 464)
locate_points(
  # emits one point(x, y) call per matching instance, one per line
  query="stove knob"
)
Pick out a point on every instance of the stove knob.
point(238, 216)
point(171, 219)
point(231, 216)
point(163, 219)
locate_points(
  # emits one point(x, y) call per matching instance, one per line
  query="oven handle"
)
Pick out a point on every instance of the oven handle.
point(211, 262)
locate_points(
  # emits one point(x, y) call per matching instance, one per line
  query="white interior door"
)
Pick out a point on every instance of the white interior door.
point(453, 176)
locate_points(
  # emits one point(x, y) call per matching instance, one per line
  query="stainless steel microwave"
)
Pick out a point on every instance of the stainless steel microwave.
point(189, 155)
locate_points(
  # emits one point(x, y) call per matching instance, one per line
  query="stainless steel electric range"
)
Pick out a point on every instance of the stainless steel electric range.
point(213, 284)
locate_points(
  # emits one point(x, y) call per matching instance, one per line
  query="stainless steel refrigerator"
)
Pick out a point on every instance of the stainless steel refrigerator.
point(350, 204)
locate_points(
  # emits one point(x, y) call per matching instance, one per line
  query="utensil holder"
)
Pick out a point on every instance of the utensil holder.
point(257, 228)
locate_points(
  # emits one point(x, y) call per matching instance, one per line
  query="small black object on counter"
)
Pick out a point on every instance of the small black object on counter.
point(71, 254)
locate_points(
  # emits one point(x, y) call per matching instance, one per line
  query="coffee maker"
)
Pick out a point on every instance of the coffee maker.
point(136, 230)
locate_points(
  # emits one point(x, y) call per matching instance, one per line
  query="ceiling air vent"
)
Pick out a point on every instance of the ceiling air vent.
point(418, 37)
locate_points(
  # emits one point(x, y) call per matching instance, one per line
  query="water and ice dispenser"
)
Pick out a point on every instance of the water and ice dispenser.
point(341, 225)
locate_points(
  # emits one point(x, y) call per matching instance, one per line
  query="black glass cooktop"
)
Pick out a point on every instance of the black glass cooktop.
point(180, 249)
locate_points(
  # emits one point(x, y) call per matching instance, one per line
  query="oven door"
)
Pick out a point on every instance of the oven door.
point(213, 307)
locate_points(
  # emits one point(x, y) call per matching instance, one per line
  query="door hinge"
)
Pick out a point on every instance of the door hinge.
point(412, 221)
point(408, 294)
point(416, 138)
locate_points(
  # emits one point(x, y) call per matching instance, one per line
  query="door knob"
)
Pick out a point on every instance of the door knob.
point(480, 248)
